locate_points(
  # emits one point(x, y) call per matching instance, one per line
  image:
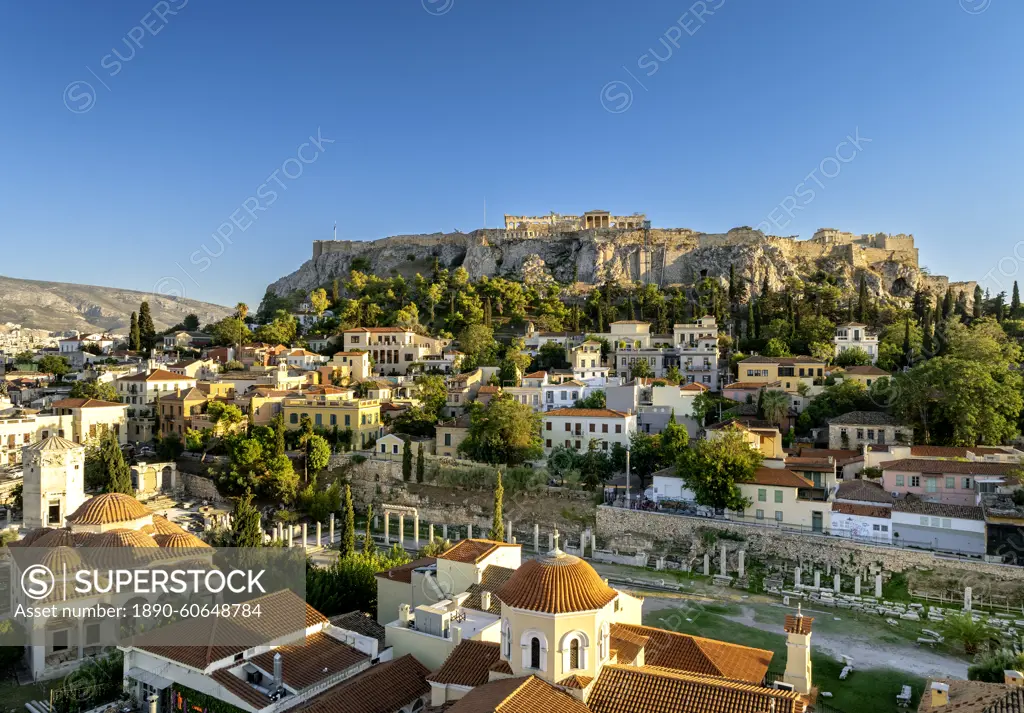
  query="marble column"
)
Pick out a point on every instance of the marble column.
point(331, 530)
point(817, 579)
point(856, 585)
point(742, 562)
point(387, 536)
point(416, 529)
point(536, 538)
point(837, 583)
point(878, 586)
point(508, 531)
point(723, 565)
point(430, 533)
point(796, 576)
point(319, 534)
point(707, 564)
point(551, 542)
point(469, 531)
point(444, 532)
point(305, 532)
point(593, 544)
point(968, 597)
point(291, 535)
point(401, 529)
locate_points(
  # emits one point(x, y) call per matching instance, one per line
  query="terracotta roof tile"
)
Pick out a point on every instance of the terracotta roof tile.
point(240, 688)
point(308, 663)
point(555, 584)
point(156, 375)
point(574, 681)
point(86, 403)
point(468, 664)
point(108, 508)
point(672, 650)
point(914, 505)
point(360, 623)
point(862, 491)
point(518, 695)
point(628, 689)
point(627, 644)
point(491, 579)
point(780, 477)
point(472, 551)
point(383, 688)
point(798, 624)
point(862, 510)
point(586, 413)
point(502, 666)
point(934, 465)
point(404, 573)
point(974, 697)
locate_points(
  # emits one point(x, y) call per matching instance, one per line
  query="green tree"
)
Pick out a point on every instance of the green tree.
point(963, 628)
point(774, 405)
point(320, 303)
point(318, 455)
point(118, 474)
point(420, 464)
point(595, 399)
point(147, 330)
point(134, 336)
point(1015, 312)
point(93, 389)
point(504, 431)
point(245, 523)
point(58, 366)
point(497, 531)
point(406, 461)
point(776, 347)
point(640, 369)
point(368, 545)
point(347, 546)
point(674, 439)
point(191, 322)
point(350, 583)
point(862, 299)
point(854, 356)
point(713, 468)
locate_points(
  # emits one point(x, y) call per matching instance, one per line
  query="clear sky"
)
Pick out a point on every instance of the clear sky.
point(701, 120)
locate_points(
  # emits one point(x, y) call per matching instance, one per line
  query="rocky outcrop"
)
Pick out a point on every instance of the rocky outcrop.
point(61, 306)
point(664, 256)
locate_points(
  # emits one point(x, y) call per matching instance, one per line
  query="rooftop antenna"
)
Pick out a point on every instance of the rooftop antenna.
point(335, 230)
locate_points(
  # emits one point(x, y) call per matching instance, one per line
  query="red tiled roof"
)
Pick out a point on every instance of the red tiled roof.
point(931, 465)
point(556, 584)
point(862, 510)
point(519, 695)
point(310, 662)
point(156, 375)
point(404, 573)
point(780, 477)
point(473, 551)
point(468, 664)
point(586, 413)
point(383, 688)
point(85, 403)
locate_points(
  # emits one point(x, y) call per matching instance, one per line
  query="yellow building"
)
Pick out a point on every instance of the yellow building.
point(866, 375)
point(790, 372)
point(781, 497)
point(361, 416)
point(759, 435)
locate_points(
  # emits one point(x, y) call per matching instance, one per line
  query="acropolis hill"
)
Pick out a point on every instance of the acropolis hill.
point(597, 246)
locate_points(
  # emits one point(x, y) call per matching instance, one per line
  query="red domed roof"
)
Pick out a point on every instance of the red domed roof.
point(180, 540)
point(163, 526)
point(107, 509)
point(55, 538)
point(122, 538)
point(556, 583)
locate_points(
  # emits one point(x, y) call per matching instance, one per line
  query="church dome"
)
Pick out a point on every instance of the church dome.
point(30, 537)
point(122, 538)
point(51, 444)
point(180, 540)
point(556, 583)
point(55, 538)
point(163, 526)
point(107, 509)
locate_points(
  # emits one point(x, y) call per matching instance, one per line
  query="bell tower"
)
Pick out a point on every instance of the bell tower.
point(798, 652)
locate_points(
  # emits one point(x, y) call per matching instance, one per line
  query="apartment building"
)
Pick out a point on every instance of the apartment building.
point(361, 416)
point(854, 335)
point(393, 350)
point(577, 427)
point(141, 391)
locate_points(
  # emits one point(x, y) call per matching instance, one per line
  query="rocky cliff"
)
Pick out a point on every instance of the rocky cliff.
point(664, 256)
point(61, 306)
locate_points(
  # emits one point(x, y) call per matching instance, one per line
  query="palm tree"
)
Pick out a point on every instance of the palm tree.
point(963, 628)
point(241, 311)
point(774, 405)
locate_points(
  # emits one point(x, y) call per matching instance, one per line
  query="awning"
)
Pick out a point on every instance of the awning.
point(150, 679)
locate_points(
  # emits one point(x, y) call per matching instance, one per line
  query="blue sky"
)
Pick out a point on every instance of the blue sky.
point(435, 106)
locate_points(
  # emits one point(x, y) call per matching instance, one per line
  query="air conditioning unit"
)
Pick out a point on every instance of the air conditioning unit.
point(252, 675)
point(783, 686)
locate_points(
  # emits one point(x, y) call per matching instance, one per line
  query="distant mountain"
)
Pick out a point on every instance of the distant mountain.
point(59, 306)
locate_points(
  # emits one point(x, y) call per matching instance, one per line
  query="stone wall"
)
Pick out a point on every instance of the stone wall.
point(201, 488)
point(660, 534)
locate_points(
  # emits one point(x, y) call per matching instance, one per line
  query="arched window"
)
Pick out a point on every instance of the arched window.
point(534, 652)
point(574, 647)
point(574, 654)
point(506, 640)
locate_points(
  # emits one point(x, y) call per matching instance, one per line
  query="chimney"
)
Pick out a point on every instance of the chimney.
point(278, 674)
point(404, 614)
point(940, 694)
point(456, 635)
point(1013, 678)
point(485, 600)
point(152, 700)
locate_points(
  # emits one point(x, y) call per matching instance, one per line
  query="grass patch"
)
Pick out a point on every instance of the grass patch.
point(865, 690)
point(15, 697)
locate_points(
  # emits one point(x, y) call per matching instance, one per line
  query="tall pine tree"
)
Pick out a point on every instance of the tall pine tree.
point(406, 461)
point(119, 474)
point(368, 545)
point(420, 465)
point(245, 523)
point(908, 357)
point(497, 532)
point(862, 299)
point(979, 301)
point(147, 332)
point(134, 338)
point(926, 333)
point(1015, 302)
point(348, 526)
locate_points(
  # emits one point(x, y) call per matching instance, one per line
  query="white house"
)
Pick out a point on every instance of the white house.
point(577, 427)
point(855, 335)
point(564, 395)
point(302, 359)
point(862, 522)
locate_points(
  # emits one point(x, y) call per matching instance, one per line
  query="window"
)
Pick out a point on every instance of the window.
point(568, 427)
point(574, 654)
point(778, 496)
point(394, 449)
point(348, 420)
point(931, 485)
point(950, 482)
point(383, 447)
point(448, 439)
point(294, 418)
point(778, 516)
point(593, 428)
point(762, 495)
point(871, 434)
point(965, 483)
point(535, 652)
point(547, 443)
point(915, 481)
point(60, 640)
point(318, 419)
point(577, 445)
point(760, 514)
point(899, 481)
point(53, 516)
point(604, 428)
point(547, 426)
point(860, 434)
point(618, 428)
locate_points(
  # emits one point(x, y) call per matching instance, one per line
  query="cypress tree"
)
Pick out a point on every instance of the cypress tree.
point(907, 356)
point(245, 523)
point(134, 340)
point(368, 545)
point(757, 321)
point(999, 306)
point(348, 526)
point(147, 332)
point(764, 287)
point(947, 303)
point(1015, 302)
point(406, 462)
point(497, 531)
point(979, 300)
point(750, 319)
point(961, 304)
point(926, 337)
point(862, 300)
point(119, 475)
point(279, 447)
point(732, 283)
point(420, 465)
